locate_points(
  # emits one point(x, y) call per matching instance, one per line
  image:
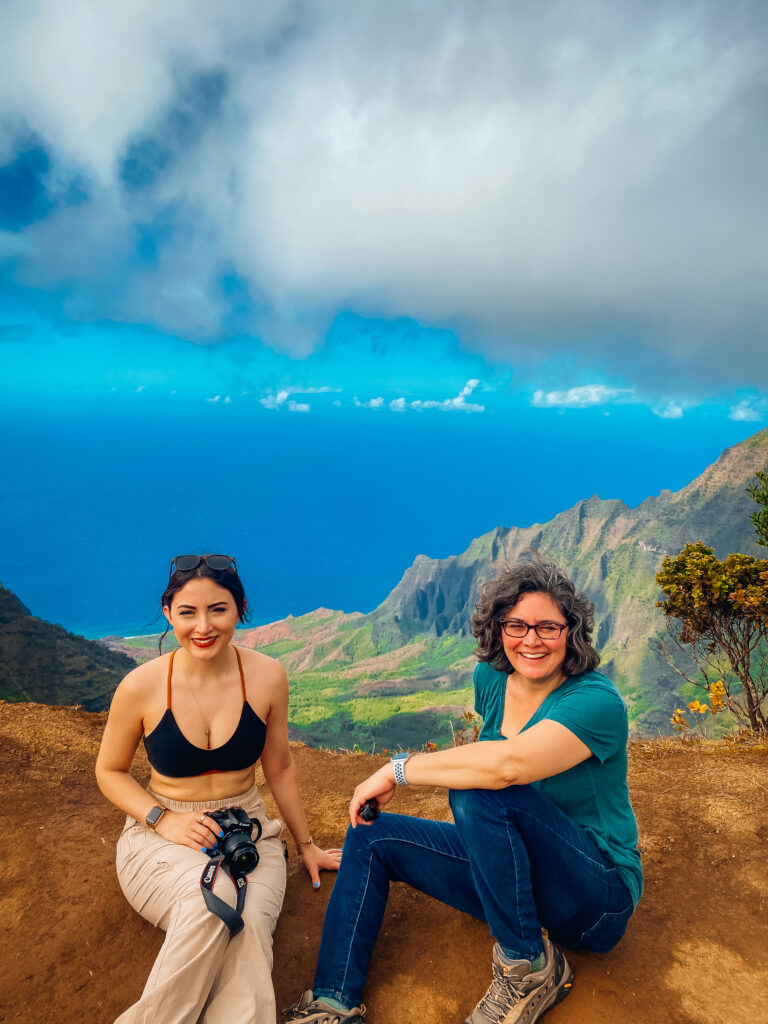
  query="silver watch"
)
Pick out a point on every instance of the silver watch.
point(398, 767)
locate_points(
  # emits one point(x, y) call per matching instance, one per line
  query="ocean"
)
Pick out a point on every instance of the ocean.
point(319, 509)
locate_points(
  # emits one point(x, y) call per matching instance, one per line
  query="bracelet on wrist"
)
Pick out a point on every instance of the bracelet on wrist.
point(307, 842)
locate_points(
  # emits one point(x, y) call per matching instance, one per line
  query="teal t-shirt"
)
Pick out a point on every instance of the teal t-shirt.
point(594, 793)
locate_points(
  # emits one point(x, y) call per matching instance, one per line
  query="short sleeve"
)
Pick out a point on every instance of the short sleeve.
point(481, 691)
point(486, 682)
point(595, 712)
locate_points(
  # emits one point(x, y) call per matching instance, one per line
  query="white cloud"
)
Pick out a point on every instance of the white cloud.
point(216, 398)
point(541, 175)
point(582, 397)
point(458, 403)
point(670, 410)
point(275, 401)
point(374, 403)
point(283, 400)
point(745, 411)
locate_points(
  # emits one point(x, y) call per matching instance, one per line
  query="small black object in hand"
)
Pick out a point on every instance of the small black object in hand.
point(370, 810)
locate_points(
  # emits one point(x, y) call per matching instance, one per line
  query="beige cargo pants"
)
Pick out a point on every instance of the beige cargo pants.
point(201, 974)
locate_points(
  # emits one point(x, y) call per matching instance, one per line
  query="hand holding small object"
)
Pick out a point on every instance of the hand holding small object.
point(380, 787)
point(370, 810)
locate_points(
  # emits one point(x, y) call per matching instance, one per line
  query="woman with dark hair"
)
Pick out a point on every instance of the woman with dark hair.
point(207, 712)
point(543, 836)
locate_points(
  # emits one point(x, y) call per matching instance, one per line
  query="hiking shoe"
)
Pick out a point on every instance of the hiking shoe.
point(517, 996)
point(314, 1011)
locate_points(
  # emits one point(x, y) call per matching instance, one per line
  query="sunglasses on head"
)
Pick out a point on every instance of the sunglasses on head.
point(185, 563)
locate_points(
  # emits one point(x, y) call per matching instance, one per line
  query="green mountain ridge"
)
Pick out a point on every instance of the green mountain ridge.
point(415, 649)
point(612, 553)
point(44, 663)
point(402, 675)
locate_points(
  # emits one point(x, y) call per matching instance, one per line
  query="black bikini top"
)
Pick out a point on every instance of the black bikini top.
point(171, 753)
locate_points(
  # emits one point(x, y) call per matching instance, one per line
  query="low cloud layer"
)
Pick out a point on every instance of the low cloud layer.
point(581, 397)
point(544, 178)
point(749, 410)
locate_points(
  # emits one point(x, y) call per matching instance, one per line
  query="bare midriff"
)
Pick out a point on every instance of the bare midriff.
point(212, 786)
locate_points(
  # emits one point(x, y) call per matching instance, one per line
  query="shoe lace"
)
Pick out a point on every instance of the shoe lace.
point(298, 1011)
point(502, 993)
point(301, 1009)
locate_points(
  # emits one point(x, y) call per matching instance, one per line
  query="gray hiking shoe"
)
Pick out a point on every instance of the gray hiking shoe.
point(516, 996)
point(309, 1010)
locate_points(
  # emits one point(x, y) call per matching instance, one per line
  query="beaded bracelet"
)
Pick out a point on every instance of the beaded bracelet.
point(307, 842)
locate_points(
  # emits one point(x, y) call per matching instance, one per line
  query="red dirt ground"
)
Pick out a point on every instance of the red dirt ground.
point(696, 951)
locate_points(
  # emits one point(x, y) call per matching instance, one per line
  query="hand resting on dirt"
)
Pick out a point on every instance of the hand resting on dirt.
point(317, 860)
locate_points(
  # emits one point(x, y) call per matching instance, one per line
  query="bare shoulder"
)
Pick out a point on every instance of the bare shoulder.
point(142, 682)
point(262, 670)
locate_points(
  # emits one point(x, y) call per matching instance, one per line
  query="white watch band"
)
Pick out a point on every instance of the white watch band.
point(398, 767)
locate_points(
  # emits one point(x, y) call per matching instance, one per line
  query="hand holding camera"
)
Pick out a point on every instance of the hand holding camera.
point(194, 829)
point(237, 846)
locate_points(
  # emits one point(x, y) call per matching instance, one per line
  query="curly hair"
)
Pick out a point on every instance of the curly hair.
point(534, 574)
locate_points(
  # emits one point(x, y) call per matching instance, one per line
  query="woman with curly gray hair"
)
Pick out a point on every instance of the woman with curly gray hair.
point(543, 837)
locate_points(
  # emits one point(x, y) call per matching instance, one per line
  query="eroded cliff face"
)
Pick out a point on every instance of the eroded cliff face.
point(613, 553)
point(399, 675)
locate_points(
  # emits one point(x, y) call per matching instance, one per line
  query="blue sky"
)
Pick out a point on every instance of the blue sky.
point(381, 367)
point(519, 223)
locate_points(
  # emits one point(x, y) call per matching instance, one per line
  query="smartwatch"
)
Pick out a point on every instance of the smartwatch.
point(398, 762)
point(154, 816)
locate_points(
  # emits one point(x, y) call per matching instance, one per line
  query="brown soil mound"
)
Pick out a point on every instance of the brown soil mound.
point(696, 951)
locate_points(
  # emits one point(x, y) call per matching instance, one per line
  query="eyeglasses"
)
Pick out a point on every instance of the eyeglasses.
point(516, 629)
point(185, 563)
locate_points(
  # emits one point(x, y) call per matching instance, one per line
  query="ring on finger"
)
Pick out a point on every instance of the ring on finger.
point(202, 819)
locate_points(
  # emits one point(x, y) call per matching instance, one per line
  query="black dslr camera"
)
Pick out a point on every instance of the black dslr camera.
point(238, 851)
point(236, 845)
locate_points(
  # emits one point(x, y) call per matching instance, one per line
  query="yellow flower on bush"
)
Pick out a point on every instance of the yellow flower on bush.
point(679, 721)
point(697, 709)
point(717, 697)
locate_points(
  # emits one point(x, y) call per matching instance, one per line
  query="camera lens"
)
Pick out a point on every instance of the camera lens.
point(240, 853)
point(246, 859)
point(236, 845)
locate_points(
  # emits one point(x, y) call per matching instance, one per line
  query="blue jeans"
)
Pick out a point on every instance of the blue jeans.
point(511, 858)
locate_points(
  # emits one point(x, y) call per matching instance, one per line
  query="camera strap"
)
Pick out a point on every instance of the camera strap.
point(232, 918)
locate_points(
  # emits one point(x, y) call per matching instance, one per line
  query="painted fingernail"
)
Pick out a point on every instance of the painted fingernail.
point(220, 834)
point(203, 849)
point(316, 885)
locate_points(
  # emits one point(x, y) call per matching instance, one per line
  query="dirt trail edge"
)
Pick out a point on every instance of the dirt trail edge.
point(696, 951)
